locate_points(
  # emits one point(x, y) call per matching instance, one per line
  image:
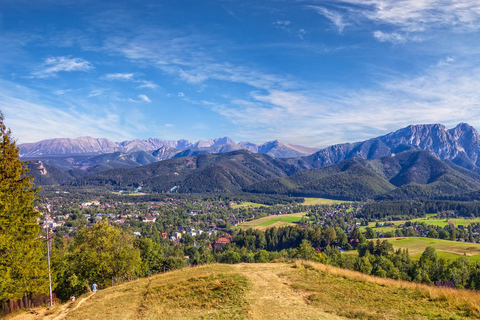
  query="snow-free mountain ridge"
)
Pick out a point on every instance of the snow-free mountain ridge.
point(94, 146)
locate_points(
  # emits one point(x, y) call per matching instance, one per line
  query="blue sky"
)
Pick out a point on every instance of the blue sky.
point(306, 72)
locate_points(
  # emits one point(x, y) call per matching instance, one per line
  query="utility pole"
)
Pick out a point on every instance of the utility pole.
point(49, 274)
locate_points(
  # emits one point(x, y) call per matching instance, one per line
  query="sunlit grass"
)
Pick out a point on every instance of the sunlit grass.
point(280, 220)
point(322, 201)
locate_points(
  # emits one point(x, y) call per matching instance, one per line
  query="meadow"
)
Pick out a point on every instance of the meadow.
point(322, 201)
point(247, 205)
point(445, 249)
point(429, 220)
point(280, 220)
point(298, 290)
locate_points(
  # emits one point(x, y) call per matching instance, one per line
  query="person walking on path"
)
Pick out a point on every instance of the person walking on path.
point(94, 287)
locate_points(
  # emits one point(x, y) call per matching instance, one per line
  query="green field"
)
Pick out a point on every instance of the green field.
point(429, 220)
point(273, 221)
point(320, 201)
point(445, 249)
point(247, 205)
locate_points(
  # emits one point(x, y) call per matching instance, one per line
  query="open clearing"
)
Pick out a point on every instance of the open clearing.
point(247, 204)
point(445, 249)
point(320, 201)
point(429, 220)
point(296, 290)
point(280, 220)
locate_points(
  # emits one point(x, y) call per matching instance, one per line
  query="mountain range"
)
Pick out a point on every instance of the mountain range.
point(419, 160)
point(95, 155)
point(94, 146)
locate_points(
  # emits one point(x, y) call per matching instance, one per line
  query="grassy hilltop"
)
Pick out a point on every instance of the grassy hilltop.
point(267, 291)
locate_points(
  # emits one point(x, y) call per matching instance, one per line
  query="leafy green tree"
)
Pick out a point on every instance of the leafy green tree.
point(23, 268)
point(363, 265)
point(152, 256)
point(104, 254)
point(453, 234)
point(432, 233)
point(306, 251)
point(370, 234)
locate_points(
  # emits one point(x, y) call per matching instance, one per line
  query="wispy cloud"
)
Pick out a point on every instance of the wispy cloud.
point(419, 15)
point(130, 77)
point(147, 85)
point(406, 20)
point(191, 58)
point(54, 65)
point(287, 26)
point(282, 24)
point(33, 118)
point(443, 94)
point(119, 76)
point(389, 37)
point(144, 98)
point(335, 17)
point(141, 98)
point(96, 92)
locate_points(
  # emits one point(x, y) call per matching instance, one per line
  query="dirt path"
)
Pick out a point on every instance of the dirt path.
point(65, 310)
point(272, 298)
point(58, 312)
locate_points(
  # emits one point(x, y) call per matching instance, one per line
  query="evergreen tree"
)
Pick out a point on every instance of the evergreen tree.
point(22, 263)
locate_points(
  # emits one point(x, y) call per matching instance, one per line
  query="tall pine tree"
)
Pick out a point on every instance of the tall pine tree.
point(22, 263)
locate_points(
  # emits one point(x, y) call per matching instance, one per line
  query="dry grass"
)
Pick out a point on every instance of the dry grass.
point(387, 297)
point(299, 290)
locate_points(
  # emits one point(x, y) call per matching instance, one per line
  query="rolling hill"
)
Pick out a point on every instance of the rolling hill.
point(297, 290)
point(224, 172)
point(406, 175)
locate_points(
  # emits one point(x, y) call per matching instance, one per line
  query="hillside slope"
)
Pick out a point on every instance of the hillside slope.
point(268, 291)
point(405, 175)
point(225, 172)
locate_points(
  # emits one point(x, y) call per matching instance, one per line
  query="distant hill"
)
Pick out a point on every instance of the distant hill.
point(45, 174)
point(410, 174)
point(227, 172)
point(407, 175)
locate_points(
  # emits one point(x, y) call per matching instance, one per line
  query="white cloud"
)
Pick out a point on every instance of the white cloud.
point(192, 58)
point(95, 93)
point(130, 77)
point(54, 65)
point(119, 76)
point(283, 24)
point(406, 20)
point(445, 94)
point(389, 37)
point(60, 92)
point(147, 85)
point(33, 118)
point(446, 61)
point(141, 98)
point(144, 98)
point(335, 17)
point(418, 15)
